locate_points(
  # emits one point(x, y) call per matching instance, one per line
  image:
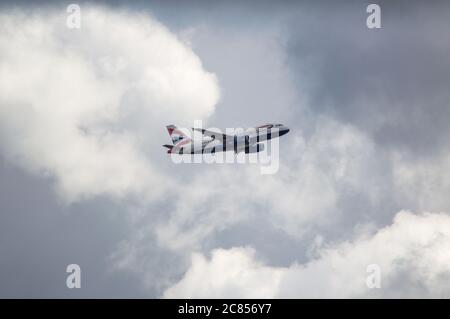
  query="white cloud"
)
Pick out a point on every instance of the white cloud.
point(232, 273)
point(412, 253)
point(423, 182)
point(86, 107)
point(316, 173)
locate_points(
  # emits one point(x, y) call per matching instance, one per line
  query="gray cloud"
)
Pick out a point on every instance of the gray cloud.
point(40, 237)
point(391, 82)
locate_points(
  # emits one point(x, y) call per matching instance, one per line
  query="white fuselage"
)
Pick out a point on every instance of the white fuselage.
point(245, 141)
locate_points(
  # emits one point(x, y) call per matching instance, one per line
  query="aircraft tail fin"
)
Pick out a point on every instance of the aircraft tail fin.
point(178, 137)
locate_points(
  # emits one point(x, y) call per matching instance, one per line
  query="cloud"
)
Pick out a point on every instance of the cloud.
point(86, 107)
point(391, 83)
point(422, 182)
point(411, 253)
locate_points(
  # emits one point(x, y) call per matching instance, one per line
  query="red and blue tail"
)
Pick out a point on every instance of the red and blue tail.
point(179, 138)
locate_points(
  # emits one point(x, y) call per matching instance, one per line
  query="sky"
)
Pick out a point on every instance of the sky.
point(364, 172)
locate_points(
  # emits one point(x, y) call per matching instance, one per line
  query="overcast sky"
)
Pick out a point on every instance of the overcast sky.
point(364, 172)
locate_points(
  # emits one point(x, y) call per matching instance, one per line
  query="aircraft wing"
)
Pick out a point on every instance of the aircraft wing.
point(215, 135)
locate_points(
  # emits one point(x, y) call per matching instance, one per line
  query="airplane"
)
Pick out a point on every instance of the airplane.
point(248, 141)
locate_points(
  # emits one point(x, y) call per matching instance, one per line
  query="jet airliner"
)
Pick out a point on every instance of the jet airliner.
point(248, 141)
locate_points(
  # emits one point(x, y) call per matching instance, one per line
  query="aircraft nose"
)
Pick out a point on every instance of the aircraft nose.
point(284, 130)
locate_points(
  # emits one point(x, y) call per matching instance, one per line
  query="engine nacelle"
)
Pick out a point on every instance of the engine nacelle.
point(254, 148)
